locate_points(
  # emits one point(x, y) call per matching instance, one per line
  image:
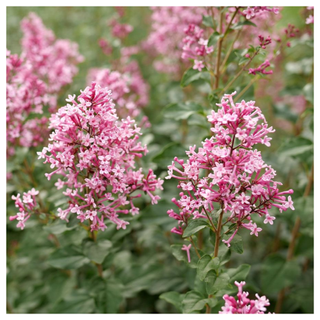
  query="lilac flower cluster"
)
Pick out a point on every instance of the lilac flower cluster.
point(195, 46)
point(252, 12)
point(95, 154)
point(226, 173)
point(26, 207)
point(129, 95)
point(53, 60)
point(120, 30)
point(33, 81)
point(261, 69)
point(244, 305)
point(165, 39)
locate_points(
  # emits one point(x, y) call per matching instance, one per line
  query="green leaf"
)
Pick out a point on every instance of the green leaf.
point(277, 273)
point(208, 21)
point(236, 244)
point(238, 274)
point(213, 39)
point(97, 251)
point(59, 226)
point(167, 154)
point(206, 264)
point(175, 298)
point(192, 75)
point(70, 257)
point(180, 111)
point(194, 226)
point(215, 284)
point(239, 25)
point(193, 301)
point(297, 147)
point(112, 296)
point(76, 302)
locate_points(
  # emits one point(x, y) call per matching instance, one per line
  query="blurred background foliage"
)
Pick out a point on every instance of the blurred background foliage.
point(51, 268)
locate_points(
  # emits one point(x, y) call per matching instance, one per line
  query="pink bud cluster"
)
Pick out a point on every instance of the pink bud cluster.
point(244, 305)
point(291, 32)
point(95, 154)
point(195, 46)
point(252, 12)
point(261, 69)
point(226, 173)
point(165, 39)
point(52, 60)
point(120, 30)
point(26, 206)
point(130, 95)
point(264, 41)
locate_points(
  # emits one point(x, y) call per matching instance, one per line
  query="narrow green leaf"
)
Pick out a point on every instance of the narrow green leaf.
point(239, 25)
point(192, 75)
point(215, 284)
point(181, 111)
point(194, 226)
point(238, 274)
point(213, 39)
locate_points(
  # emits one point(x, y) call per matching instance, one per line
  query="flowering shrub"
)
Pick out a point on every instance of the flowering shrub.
point(185, 98)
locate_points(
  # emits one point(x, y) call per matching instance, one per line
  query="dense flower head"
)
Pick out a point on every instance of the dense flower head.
point(244, 305)
point(26, 207)
point(34, 80)
point(129, 96)
point(94, 152)
point(227, 173)
point(120, 30)
point(53, 60)
point(26, 95)
point(165, 39)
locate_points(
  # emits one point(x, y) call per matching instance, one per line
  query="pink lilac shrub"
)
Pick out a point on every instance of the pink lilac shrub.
point(94, 152)
point(34, 80)
point(167, 32)
point(244, 305)
point(227, 173)
point(26, 207)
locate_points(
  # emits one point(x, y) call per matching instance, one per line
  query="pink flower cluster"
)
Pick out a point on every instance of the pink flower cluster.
point(252, 12)
point(310, 19)
point(244, 305)
point(165, 39)
point(264, 41)
point(237, 180)
point(261, 69)
point(128, 89)
point(120, 30)
point(95, 154)
point(195, 46)
point(291, 32)
point(52, 60)
point(33, 81)
point(26, 94)
point(26, 207)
